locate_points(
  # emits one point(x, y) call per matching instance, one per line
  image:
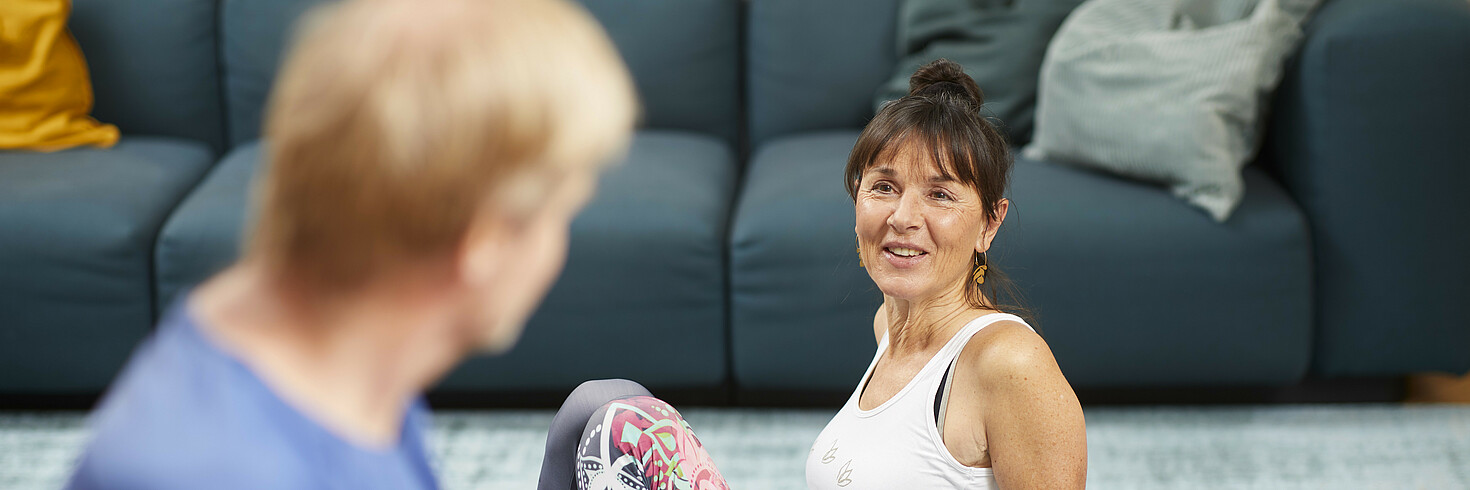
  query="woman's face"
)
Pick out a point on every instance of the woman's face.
point(917, 230)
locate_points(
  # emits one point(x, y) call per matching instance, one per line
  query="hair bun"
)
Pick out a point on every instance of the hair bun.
point(943, 76)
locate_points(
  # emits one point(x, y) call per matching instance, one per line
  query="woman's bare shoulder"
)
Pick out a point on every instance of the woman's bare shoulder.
point(1033, 423)
point(1008, 351)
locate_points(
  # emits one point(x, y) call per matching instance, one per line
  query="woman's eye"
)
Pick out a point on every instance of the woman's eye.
point(940, 195)
point(883, 187)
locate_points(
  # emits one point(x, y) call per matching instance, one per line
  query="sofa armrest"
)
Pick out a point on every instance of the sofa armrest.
point(1371, 135)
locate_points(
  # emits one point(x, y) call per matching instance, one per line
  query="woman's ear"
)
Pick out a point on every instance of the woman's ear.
point(988, 235)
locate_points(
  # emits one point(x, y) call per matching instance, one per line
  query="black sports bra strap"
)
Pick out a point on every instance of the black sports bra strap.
point(941, 398)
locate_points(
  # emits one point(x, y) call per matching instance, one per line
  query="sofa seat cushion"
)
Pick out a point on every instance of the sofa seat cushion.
point(642, 295)
point(203, 235)
point(75, 252)
point(1129, 286)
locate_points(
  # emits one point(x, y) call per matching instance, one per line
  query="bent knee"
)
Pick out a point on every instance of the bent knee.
point(604, 390)
point(589, 396)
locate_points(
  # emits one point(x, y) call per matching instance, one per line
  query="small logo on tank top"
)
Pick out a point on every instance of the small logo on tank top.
point(831, 453)
point(843, 474)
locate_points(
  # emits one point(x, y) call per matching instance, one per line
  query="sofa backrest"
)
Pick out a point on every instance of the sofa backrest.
point(816, 64)
point(154, 66)
point(683, 54)
point(685, 57)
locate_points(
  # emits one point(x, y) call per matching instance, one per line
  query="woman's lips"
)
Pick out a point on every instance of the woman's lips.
point(901, 261)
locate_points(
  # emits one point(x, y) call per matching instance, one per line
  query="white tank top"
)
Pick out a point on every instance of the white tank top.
point(897, 444)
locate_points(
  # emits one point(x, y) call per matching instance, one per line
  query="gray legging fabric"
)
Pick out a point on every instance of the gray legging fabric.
point(558, 466)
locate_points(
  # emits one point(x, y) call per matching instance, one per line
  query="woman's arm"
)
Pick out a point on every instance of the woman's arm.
point(1034, 428)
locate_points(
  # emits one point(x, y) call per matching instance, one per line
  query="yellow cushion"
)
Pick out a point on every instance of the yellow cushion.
point(45, 92)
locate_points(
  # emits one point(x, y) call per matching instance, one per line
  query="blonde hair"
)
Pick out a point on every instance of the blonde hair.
point(394, 122)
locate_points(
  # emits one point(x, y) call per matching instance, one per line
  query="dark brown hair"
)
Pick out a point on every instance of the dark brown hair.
point(941, 115)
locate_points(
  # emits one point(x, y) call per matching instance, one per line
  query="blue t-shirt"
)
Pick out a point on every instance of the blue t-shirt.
point(185, 414)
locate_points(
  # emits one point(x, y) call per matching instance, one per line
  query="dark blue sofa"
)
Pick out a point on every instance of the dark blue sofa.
point(697, 267)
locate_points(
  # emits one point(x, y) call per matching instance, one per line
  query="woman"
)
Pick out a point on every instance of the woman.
point(959, 394)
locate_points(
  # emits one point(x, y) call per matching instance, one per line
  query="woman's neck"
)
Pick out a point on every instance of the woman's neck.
point(916, 325)
point(351, 364)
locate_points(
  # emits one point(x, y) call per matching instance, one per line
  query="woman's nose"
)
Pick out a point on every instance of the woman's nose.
point(906, 215)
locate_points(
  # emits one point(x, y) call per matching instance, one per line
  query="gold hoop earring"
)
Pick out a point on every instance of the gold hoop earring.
point(980, 270)
point(860, 256)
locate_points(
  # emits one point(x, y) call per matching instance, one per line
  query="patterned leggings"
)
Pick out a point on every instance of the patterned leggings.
point(614, 435)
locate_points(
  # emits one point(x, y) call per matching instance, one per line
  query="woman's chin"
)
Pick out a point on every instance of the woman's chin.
point(901, 289)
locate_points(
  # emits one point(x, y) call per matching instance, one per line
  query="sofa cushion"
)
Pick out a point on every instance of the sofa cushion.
point(685, 59)
point(799, 303)
point(254, 35)
point(642, 295)
point(1167, 92)
point(683, 56)
point(203, 235)
point(1000, 45)
point(154, 66)
point(815, 64)
point(1129, 286)
point(75, 256)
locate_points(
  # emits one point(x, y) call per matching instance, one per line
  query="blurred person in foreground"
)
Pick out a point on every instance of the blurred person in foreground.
point(424, 161)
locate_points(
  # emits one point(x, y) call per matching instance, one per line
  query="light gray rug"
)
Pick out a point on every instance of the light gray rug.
point(1276, 447)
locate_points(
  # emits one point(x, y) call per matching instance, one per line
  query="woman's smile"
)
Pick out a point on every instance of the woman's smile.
point(904, 255)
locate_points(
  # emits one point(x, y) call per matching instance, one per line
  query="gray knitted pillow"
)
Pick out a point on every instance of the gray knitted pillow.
point(1167, 91)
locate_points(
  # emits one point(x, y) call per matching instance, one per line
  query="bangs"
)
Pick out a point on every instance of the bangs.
point(957, 146)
